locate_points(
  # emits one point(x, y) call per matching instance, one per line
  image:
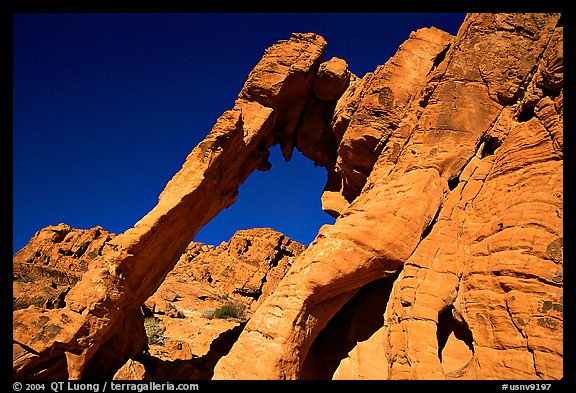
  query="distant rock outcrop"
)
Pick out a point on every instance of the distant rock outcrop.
point(181, 319)
point(54, 260)
point(445, 175)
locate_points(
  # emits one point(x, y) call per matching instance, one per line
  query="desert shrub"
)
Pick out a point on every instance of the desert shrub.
point(154, 331)
point(229, 310)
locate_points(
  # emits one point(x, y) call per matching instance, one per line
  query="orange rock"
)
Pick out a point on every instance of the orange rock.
point(331, 80)
point(384, 99)
point(445, 173)
point(240, 273)
point(132, 370)
point(128, 272)
point(479, 277)
point(492, 180)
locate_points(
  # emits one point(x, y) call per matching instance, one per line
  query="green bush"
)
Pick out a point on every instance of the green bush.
point(154, 331)
point(229, 310)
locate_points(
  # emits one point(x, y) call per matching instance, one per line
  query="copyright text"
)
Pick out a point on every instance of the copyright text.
point(101, 387)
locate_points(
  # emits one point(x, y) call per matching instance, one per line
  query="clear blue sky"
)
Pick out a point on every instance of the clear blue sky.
point(108, 106)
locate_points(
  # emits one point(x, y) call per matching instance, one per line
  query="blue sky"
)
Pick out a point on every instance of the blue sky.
point(106, 107)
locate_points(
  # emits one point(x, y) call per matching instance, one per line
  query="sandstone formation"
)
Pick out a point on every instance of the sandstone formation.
point(465, 199)
point(179, 320)
point(444, 170)
point(106, 301)
point(54, 260)
point(237, 275)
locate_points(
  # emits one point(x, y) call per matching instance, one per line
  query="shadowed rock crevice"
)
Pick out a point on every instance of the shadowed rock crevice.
point(356, 321)
point(201, 368)
point(526, 114)
point(438, 60)
point(455, 344)
point(453, 182)
point(488, 145)
point(448, 325)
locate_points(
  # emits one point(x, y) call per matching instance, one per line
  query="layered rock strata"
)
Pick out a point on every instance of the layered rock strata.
point(235, 277)
point(445, 261)
point(54, 260)
point(481, 296)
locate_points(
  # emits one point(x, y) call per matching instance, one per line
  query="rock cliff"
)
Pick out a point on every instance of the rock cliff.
point(445, 175)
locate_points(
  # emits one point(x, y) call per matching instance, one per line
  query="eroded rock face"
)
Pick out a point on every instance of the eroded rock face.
point(443, 205)
point(445, 261)
point(52, 262)
point(382, 103)
point(235, 277)
point(128, 272)
point(179, 324)
point(248, 266)
point(481, 296)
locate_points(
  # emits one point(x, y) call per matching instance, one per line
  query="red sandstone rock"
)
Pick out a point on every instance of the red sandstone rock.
point(331, 79)
point(128, 272)
point(240, 273)
point(466, 251)
point(384, 98)
point(132, 370)
point(179, 318)
point(468, 306)
point(248, 266)
point(445, 261)
point(54, 260)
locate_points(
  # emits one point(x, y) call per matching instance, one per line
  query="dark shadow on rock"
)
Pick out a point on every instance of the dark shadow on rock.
point(356, 321)
point(201, 368)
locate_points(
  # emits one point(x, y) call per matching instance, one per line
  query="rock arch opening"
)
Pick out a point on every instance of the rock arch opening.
point(307, 335)
point(356, 321)
point(286, 198)
point(455, 342)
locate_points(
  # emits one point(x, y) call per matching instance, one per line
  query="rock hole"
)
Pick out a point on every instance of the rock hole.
point(425, 98)
point(526, 114)
point(490, 145)
point(549, 92)
point(356, 321)
point(287, 199)
point(448, 325)
point(453, 183)
point(440, 58)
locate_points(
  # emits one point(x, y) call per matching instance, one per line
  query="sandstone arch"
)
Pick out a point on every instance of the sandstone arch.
point(106, 299)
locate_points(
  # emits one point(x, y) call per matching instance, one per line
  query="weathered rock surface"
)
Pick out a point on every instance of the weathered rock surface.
point(54, 260)
point(237, 274)
point(248, 266)
point(481, 296)
point(445, 261)
point(465, 199)
point(179, 318)
point(382, 103)
point(127, 273)
point(132, 370)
